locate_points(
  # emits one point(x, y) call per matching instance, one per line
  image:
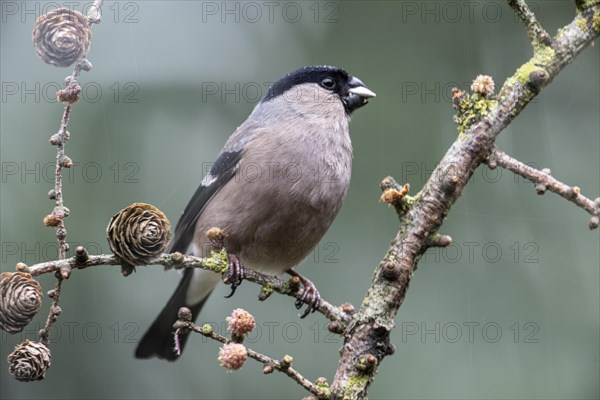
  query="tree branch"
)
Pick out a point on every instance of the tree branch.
point(216, 263)
point(536, 33)
point(68, 96)
point(283, 366)
point(368, 333)
point(544, 181)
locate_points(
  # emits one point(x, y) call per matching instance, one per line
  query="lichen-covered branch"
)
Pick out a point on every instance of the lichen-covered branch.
point(368, 334)
point(536, 33)
point(544, 181)
point(216, 263)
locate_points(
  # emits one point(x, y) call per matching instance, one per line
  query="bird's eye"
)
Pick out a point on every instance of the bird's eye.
point(328, 83)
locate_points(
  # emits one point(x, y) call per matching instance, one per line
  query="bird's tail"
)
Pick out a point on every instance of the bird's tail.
point(159, 340)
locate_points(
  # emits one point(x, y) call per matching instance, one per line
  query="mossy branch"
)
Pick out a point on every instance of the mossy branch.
point(217, 263)
point(536, 32)
point(369, 332)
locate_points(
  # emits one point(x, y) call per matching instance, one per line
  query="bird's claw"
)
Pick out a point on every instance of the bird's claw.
point(310, 297)
point(235, 274)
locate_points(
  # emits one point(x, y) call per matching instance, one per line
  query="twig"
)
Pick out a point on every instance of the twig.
point(395, 194)
point(94, 15)
point(286, 368)
point(544, 181)
point(437, 240)
point(62, 161)
point(53, 312)
point(536, 32)
point(216, 263)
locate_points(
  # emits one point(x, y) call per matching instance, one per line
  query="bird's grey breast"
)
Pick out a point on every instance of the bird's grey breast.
point(288, 188)
point(305, 167)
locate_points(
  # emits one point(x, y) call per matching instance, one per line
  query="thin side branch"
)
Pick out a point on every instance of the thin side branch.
point(536, 32)
point(53, 313)
point(94, 14)
point(544, 180)
point(284, 367)
point(60, 212)
point(216, 263)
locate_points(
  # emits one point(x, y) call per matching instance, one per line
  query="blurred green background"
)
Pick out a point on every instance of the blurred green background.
point(510, 310)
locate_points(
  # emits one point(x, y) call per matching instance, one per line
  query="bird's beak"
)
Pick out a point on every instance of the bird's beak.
point(359, 88)
point(358, 93)
point(362, 92)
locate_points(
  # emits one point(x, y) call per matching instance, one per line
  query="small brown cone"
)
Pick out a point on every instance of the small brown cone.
point(139, 233)
point(20, 300)
point(29, 361)
point(62, 37)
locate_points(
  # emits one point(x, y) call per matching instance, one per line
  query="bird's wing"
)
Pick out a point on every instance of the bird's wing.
point(221, 172)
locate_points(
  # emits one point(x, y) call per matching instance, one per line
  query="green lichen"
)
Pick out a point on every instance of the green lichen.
point(364, 366)
point(266, 291)
point(355, 381)
point(524, 71)
point(218, 261)
point(543, 57)
point(207, 329)
point(409, 200)
point(582, 24)
point(322, 384)
point(596, 21)
point(267, 288)
point(470, 110)
point(356, 384)
point(326, 392)
point(406, 202)
point(361, 365)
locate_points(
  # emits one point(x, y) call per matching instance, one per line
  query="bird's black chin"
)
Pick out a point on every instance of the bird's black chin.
point(354, 101)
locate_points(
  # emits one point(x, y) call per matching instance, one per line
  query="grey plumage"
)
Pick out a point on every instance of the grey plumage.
point(275, 188)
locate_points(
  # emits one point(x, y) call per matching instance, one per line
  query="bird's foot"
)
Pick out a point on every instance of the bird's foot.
point(235, 274)
point(310, 295)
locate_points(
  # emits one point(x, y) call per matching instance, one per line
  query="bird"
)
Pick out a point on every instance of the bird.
point(274, 189)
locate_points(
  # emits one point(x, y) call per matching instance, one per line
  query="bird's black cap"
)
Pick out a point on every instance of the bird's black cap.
point(313, 74)
point(351, 90)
